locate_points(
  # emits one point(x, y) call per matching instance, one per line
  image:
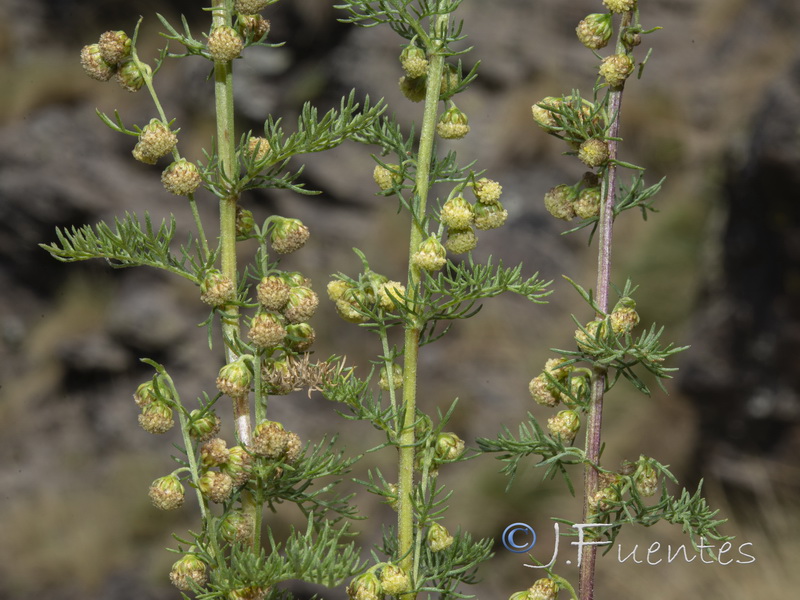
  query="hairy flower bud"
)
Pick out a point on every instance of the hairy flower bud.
point(487, 191)
point(237, 465)
point(413, 88)
point(595, 30)
point(543, 589)
point(234, 379)
point(244, 223)
point(431, 255)
point(237, 526)
point(203, 427)
point(646, 479)
point(564, 426)
point(558, 368)
point(167, 492)
point(457, 213)
point(387, 177)
point(489, 216)
point(156, 418)
point(542, 392)
point(181, 178)
point(593, 152)
point(449, 446)
point(258, 148)
point(618, 6)
point(217, 289)
point(224, 44)
point(558, 202)
point(273, 292)
point(254, 27)
point(461, 241)
point(145, 394)
point(395, 580)
point(414, 61)
point(288, 235)
point(396, 380)
point(595, 330)
point(438, 538)
point(266, 330)
point(270, 439)
point(94, 65)
point(216, 486)
point(188, 571)
point(214, 453)
point(603, 499)
point(114, 46)
point(543, 114)
point(155, 140)
point(300, 337)
point(450, 81)
point(366, 586)
point(624, 316)
point(588, 203)
point(616, 68)
point(293, 447)
point(453, 124)
point(390, 295)
point(130, 75)
point(301, 305)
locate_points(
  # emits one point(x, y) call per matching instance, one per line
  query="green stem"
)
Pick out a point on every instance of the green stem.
point(200, 230)
point(413, 329)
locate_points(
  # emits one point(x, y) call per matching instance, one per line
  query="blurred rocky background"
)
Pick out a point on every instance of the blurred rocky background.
point(717, 112)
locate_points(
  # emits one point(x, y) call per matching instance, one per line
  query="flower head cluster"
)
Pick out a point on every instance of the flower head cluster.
point(582, 199)
point(372, 294)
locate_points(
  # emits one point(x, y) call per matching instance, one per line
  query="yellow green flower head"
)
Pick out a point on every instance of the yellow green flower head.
point(595, 30)
point(618, 6)
point(487, 191)
point(460, 241)
point(457, 213)
point(224, 44)
point(588, 203)
point(94, 65)
point(558, 202)
point(414, 61)
point(114, 46)
point(616, 68)
point(490, 216)
point(181, 178)
point(593, 152)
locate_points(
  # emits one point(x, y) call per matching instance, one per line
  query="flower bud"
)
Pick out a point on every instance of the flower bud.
point(438, 538)
point(449, 447)
point(217, 289)
point(156, 417)
point(204, 427)
point(457, 213)
point(624, 316)
point(461, 241)
point(594, 329)
point(414, 61)
point(616, 68)
point(293, 447)
point(114, 46)
point(94, 65)
point(395, 580)
point(234, 379)
point(288, 235)
point(543, 114)
point(431, 255)
point(273, 292)
point(250, 7)
point(237, 465)
point(450, 81)
point(489, 216)
point(558, 201)
point(580, 389)
point(603, 499)
point(588, 203)
point(216, 486)
point(543, 589)
point(564, 426)
point(224, 44)
point(558, 368)
point(593, 152)
point(453, 124)
point(521, 595)
point(145, 394)
point(595, 30)
point(366, 586)
point(155, 140)
point(244, 223)
point(348, 309)
point(188, 572)
point(618, 6)
point(631, 39)
point(300, 337)
point(237, 526)
point(251, 592)
point(387, 177)
point(130, 75)
point(397, 378)
point(646, 478)
point(390, 295)
point(542, 392)
point(258, 148)
point(214, 453)
point(301, 305)
point(181, 178)
point(413, 88)
point(266, 330)
point(270, 439)
point(487, 191)
point(254, 27)
point(167, 492)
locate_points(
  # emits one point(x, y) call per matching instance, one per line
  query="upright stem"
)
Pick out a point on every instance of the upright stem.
point(593, 431)
point(405, 484)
